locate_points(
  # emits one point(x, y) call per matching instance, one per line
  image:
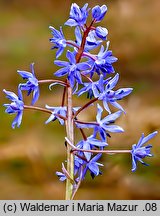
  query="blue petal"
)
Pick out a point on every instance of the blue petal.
point(71, 57)
point(96, 158)
point(101, 32)
point(10, 95)
point(102, 134)
point(83, 66)
point(113, 128)
point(105, 104)
point(95, 91)
point(147, 138)
point(113, 82)
point(71, 23)
point(94, 168)
point(99, 113)
point(115, 104)
point(97, 143)
point(25, 74)
point(134, 165)
point(78, 35)
point(61, 63)
point(51, 118)
point(59, 52)
point(103, 11)
point(87, 125)
point(86, 146)
point(35, 95)
point(61, 72)
point(17, 120)
point(122, 92)
point(96, 11)
point(111, 117)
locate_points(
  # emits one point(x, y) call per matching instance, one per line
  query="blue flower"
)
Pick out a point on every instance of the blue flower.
point(89, 144)
point(101, 32)
point(62, 111)
point(78, 166)
point(32, 83)
point(57, 110)
point(93, 88)
point(93, 166)
point(103, 62)
point(71, 69)
point(59, 41)
point(107, 95)
point(78, 16)
point(139, 151)
point(16, 106)
point(91, 41)
point(103, 125)
point(98, 12)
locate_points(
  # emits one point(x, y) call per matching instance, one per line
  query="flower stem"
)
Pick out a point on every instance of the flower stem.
point(43, 110)
point(95, 151)
point(37, 108)
point(70, 136)
point(52, 81)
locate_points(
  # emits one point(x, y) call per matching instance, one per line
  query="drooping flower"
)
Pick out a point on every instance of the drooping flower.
point(107, 95)
point(31, 85)
point(58, 40)
point(16, 106)
point(103, 125)
point(98, 12)
point(139, 151)
point(71, 69)
point(78, 16)
point(89, 144)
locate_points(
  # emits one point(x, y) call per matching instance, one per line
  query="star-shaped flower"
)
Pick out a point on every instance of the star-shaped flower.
point(71, 69)
point(16, 106)
point(107, 95)
point(89, 144)
point(31, 85)
point(139, 151)
point(93, 166)
point(103, 125)
point(102, 63)
point(94, 88)
point(57, 112)
point(59, 40)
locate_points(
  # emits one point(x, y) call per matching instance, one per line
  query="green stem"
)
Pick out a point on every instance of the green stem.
point(70, 136)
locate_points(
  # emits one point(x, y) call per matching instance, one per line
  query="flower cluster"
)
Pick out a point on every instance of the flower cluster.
point(82, 72)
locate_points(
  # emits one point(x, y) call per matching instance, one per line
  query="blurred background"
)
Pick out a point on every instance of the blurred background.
point(31, 154)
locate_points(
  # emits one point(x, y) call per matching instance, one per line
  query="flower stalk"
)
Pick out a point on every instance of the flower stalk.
point(70, 136)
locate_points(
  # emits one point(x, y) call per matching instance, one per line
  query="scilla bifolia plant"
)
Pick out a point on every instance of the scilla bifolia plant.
point(84, 72)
